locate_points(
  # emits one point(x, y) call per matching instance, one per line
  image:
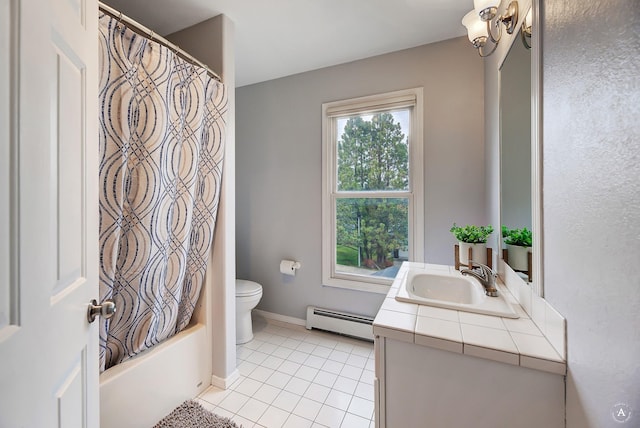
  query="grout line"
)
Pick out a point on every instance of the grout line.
point(266, 335)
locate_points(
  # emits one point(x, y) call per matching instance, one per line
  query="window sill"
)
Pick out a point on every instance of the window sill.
point(357, 285)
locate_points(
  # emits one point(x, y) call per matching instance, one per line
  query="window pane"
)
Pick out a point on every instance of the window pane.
point(373, 151)
point(372, 235)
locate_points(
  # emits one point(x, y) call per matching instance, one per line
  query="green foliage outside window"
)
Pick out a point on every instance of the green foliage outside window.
point(373, 155)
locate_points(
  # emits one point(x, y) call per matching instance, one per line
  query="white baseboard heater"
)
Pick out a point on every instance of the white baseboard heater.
point(340, 322)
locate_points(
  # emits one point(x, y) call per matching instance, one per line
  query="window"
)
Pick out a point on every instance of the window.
point(372, 201)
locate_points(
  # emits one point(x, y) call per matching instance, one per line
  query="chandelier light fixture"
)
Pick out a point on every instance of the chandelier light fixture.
point(483, 21)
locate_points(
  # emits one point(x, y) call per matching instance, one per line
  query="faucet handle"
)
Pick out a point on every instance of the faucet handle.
point(486, 269)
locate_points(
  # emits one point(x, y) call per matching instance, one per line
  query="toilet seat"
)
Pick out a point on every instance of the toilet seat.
point(246, 288)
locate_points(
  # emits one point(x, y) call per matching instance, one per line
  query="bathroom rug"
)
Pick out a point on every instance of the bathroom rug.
point(191, 414)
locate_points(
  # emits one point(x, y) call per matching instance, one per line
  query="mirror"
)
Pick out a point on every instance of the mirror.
point(515, 157)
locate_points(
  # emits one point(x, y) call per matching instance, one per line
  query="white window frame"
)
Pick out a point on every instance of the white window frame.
point(331, 112)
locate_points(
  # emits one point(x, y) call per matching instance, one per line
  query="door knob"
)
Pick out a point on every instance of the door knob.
point(105, 310)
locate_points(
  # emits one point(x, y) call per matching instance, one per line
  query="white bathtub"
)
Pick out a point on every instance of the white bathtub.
point(141, 391)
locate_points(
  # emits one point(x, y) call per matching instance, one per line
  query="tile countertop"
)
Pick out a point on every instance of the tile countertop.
point(511, 341)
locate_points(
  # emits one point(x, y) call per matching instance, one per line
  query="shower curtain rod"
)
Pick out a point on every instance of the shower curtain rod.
point(144, 31)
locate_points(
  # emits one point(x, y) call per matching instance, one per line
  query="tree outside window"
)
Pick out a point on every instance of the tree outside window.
point(372, 156)
point(372, 200)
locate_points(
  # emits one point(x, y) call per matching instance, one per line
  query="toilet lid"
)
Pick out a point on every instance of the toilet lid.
point(247, 288)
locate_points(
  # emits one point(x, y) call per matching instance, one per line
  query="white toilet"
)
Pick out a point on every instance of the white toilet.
point(248, 294)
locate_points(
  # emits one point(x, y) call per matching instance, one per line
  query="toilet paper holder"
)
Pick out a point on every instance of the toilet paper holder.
point(289, 267)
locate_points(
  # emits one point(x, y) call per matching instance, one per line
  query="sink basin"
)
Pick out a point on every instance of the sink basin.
point(451, 291)
point(445, 287)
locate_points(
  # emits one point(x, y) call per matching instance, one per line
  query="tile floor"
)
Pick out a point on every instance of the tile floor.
point(291, 377)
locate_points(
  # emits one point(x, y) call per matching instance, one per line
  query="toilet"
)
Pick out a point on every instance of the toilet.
point(248, 294)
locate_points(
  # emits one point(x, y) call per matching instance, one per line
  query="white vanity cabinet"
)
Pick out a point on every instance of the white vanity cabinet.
point(421, 386)
point(444, 368)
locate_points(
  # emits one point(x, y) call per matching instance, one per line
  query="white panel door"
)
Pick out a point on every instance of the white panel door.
point(48, 213)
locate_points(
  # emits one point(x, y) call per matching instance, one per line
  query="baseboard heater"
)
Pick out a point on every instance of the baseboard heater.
point(340, 322)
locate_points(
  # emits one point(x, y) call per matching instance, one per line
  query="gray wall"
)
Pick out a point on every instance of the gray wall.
point(278, 191)
point(591, 95)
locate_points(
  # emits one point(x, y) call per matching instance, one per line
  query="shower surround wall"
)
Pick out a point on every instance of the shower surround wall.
point(279, 166)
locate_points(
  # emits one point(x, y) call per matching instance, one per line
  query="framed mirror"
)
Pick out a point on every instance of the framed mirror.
point(516, 160)
point(520, 153)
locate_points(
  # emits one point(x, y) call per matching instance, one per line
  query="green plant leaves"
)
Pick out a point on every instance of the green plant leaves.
point(471, 234)
point(520, 237)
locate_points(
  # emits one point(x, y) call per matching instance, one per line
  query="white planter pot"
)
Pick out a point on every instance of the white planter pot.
point(518, 257)
point(479, 253)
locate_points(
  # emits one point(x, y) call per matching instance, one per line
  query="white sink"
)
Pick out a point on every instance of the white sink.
point(451, 291)
point(445, 287)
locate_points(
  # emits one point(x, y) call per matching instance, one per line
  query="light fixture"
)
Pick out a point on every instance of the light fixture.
point(476, 29)
point(480, 20)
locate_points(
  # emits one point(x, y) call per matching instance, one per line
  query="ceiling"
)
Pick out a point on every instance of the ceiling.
point(276, 38)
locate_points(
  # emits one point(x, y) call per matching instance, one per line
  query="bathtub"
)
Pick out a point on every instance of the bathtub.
point(139, 392)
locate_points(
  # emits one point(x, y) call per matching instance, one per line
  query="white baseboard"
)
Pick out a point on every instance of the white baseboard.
point(278, 317)
point(225, 383)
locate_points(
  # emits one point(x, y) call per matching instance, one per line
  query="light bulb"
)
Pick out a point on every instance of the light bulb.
point(476, 29)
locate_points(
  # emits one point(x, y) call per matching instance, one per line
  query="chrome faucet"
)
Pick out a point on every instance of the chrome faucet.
point(485, 275)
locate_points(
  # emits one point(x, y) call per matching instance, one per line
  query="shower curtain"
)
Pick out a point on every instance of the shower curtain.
point(162, 127)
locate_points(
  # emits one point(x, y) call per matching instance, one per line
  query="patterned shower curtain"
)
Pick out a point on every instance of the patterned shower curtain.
point(162, 128)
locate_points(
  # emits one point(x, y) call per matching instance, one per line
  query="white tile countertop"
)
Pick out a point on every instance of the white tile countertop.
point(512, 341)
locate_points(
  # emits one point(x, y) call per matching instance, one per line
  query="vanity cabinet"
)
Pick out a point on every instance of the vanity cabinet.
point(443, 368)
point(420, 386)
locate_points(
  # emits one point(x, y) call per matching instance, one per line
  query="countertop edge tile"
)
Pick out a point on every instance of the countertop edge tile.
point(534, 363)
point(469, 330)
point(401, 335)
point(491, 354)
point(442, 344)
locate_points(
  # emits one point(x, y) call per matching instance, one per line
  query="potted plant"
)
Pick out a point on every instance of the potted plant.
point(474, 237)
point(518, 243)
